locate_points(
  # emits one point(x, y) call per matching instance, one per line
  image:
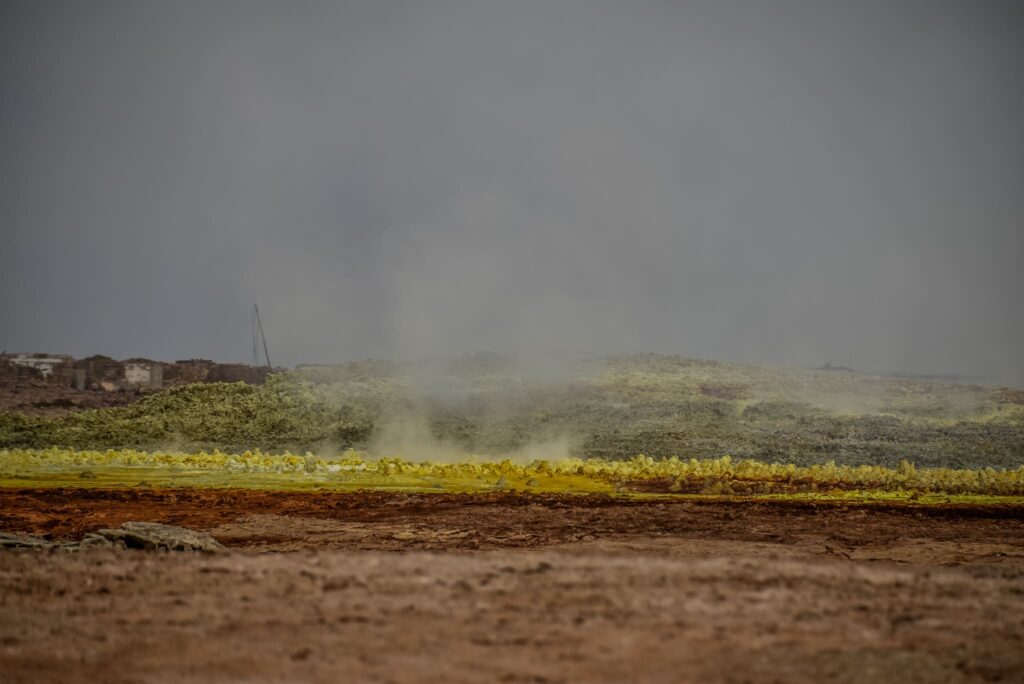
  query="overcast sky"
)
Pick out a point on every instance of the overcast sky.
point(769, 182)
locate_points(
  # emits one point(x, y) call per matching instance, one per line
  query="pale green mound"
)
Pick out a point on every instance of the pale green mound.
point(607, 408)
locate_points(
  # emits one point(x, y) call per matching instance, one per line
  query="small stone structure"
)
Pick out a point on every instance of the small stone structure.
point(46, 365)
point(143, 373)
point(102, 373)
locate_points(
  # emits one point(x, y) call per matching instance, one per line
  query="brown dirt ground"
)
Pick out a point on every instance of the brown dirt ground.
point(393, 587)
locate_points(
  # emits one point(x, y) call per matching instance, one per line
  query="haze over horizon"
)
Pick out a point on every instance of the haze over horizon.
point(781, 183)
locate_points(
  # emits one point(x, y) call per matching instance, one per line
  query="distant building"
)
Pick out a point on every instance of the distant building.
point(44, 364)
point(102, 373)
point(143, 373)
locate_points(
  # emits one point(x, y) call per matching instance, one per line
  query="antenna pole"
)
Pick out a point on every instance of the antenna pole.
point(255, 358)
point(259, 324)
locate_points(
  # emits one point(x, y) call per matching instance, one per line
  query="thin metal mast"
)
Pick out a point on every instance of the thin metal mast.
point(255, 357)
point(259, 325)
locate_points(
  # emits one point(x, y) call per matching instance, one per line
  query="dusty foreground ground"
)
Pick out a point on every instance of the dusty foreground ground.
point(439, 588)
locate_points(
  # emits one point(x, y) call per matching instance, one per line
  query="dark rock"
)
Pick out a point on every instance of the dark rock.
point(19, 541)
point(159, 537)
point(95, 540)
point(110, 535)
point(131, 535)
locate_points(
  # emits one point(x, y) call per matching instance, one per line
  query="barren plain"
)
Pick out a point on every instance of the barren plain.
point(387, 571)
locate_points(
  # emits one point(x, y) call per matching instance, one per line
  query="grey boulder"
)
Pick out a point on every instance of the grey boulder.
point(22, 541)
point(159, 537)
point(132, 535)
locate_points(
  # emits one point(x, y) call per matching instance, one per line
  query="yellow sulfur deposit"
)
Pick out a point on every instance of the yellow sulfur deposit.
point(636, 476)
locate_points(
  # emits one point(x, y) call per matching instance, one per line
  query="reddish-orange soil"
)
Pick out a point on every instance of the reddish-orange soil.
point(512, 588)
point(499, 520)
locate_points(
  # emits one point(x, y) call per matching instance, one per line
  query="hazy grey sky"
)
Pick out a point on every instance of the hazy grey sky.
point(769, 182)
